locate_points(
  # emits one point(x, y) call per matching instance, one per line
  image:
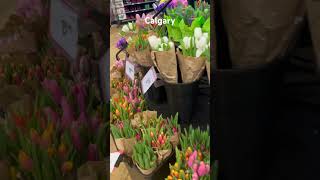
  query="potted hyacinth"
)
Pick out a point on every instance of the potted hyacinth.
point(164, 58)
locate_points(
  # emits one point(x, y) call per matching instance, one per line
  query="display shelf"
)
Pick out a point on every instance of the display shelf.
point(140, 10)
point(138, 3)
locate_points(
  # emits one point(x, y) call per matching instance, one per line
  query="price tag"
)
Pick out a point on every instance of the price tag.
point(148, 80)
point(64, 27)
point(130, 70)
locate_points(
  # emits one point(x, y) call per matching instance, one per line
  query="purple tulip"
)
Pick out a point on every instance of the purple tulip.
point(51, 114)
point(53, 87)
point(93, 153)
point(122, 43)
point(68, 115)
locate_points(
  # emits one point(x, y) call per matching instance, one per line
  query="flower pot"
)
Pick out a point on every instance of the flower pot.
point(119, 144)
point(208, 69)
point(182, 98)
point(163, 154)
point(174, 140)
point(146, 171)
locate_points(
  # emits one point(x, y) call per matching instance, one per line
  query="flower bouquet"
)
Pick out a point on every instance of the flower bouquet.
point(164, 58)
point(159, 142)
point(49, 142)
point(173, 129)
point(144, 158)
point(124, 136)
point(191, 59)
point(193, 161)
point(139, 48)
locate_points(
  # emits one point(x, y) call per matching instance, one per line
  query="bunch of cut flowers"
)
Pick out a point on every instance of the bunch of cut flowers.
point(64, 131)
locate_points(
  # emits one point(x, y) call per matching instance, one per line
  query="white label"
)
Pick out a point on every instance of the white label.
point(148, 80)
point(64, 27)
point(130, 70)
point(113, 160)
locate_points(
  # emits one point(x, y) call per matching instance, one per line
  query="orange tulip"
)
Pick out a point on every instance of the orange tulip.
point(67, 167)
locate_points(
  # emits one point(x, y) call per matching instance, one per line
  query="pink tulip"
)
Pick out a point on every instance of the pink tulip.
point(76, 139)
point(202, 169)
point(126, 89)
point(207, 169)
point(82, 119)
point(53, 87)
point(68, 115)
point(93, 153)
point(51, 114)
point(80, 93)
point(95, 123)
point(195, 176)
point(119, 64)
point(192, 158)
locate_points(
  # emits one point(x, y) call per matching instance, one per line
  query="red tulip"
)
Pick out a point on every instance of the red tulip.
point(19, 121)
point(35, 138)
point(53, 87)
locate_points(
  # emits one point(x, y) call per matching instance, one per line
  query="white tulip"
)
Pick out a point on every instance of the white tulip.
point(131, 26)
point(165, 39)
point(171, 44)
point(197, 32)
point(160, 49)
point(199, 52)
point(206, 35)
point(201, 43)
point(154, 42)
point(187, 42)
point(125, 28)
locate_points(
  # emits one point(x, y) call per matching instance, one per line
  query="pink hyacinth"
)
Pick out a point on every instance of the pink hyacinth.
point(51, 114)
point(93, 153)
point(54, 89)
point(68, 114)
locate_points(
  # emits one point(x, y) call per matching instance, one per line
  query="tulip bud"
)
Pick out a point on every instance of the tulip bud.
point(67, 167)
point(25, 161)
point(93, 153)
point(62, 151)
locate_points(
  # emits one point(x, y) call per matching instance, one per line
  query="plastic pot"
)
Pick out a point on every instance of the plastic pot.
point(181, 98)
point(245, 111)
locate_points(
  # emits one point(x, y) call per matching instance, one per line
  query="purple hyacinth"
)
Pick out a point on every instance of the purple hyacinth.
point(160, 6)
point(122, 43)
